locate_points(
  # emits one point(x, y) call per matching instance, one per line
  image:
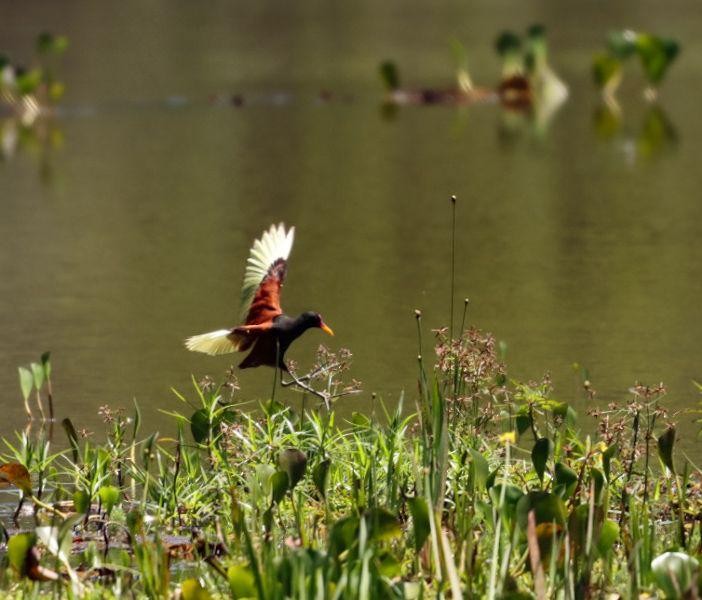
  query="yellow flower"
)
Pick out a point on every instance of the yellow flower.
point(508, 438)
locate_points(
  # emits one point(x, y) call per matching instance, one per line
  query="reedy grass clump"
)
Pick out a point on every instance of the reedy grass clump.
point(488, 490)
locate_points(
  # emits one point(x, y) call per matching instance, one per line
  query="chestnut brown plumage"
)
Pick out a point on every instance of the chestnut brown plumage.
point(266, 331)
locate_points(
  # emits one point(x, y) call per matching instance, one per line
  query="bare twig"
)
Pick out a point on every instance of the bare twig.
point(301, 382)
point(302, 385)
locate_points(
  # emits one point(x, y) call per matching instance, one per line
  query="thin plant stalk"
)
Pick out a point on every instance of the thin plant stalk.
point(466, 301)
point(39, 404)
point(453, 262)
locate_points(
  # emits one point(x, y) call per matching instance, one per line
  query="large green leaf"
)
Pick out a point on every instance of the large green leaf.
point(320, 475)
point(656, 55)
point(26, 381)
point(200, 426)
point(109, 497)
point(605, 69)
point(388, 565)
point(46, 364)
point(579, 523)
point(279, 485)
point(18, 551)
point(37, 374)
point(609, 453)
point(608, 535)
point(135, 521)
point(29, 81)
point(598, 478)
point(81, 501)
point(565, 478)
point(540, 454)
point(523, 420)
point(512, 496)
point(480, 469)
point(191, 589)
point(547, 508)
point(294, 463)
point(241, 582)
point(261, 481)
point(666, 442)
point(389, 75)
point(343, 533)
point(382, 524)
point(420, 519)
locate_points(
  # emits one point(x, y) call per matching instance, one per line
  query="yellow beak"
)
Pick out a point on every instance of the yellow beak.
point(324, 327)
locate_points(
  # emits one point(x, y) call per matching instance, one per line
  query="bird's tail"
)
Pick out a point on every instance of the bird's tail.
point(213, 343)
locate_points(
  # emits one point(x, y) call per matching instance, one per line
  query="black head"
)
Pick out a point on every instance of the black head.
point(314, 319)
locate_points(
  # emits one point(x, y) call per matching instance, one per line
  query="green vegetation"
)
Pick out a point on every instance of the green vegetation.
point(27, 92)
point(655, 53)
point(488, 489)
point(509, 47)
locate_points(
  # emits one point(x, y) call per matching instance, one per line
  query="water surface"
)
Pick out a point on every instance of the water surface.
point(133, 232)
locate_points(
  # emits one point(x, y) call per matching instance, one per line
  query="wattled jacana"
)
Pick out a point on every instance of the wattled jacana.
point(266, 331)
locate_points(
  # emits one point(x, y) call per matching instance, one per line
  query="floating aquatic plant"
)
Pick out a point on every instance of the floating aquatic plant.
point(509, 46)
point(549, 91)
point(463, 78)
point(389, 74)
point(27, 92)
point(655, 53)
point(607, 73)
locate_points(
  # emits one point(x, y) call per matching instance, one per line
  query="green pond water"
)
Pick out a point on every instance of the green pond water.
point(130, 230)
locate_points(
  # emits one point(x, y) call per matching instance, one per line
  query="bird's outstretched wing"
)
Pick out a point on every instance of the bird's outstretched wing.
point(260, 295)
point(222, 341)
point(264, 276)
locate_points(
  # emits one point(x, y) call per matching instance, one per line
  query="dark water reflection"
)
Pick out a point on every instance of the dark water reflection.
point(576, 243)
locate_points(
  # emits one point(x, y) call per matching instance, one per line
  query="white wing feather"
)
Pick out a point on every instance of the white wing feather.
point(274, 244)
point(212, 343)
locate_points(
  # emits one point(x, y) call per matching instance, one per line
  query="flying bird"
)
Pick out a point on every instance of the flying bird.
point(266, 330)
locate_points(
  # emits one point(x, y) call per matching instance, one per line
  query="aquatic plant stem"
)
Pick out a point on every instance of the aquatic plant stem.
point(498, 529)
point(453, 261)
point(48, 507)
point(630, 467)
point(418, 318)
point(39, 404)
point(50, 396)
point(466, 302)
